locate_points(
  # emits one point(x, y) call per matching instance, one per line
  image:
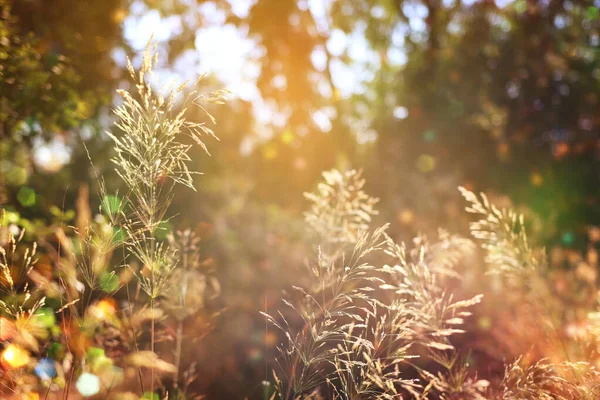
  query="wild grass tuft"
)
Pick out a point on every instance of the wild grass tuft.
point(364, 321)
point(95, 335)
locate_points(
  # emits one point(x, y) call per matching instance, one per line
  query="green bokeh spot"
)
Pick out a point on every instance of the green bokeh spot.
point(67, 215)
point(9, 217)
point(568, 238)
point(592, 13)
point(17, 176)
point(109, 282)
point(45, 316)
point(26, 196)
point(429, 135)
point(95, 353)
point(55, 331)
point(521, 6)
point(149, 396)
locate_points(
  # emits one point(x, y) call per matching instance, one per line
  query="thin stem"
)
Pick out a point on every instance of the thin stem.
point(135, 343)
point(152, 342)
point(182, 304)
point(178, 347)
point(153, 247)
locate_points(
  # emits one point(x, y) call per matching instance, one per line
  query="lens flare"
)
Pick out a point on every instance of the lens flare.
point(88, 384)
point(15, 356)
point(104, 309)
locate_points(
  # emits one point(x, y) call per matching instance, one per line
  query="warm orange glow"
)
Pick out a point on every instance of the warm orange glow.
point(561, 150)
point(287, 137)
point(536, 179)
point(119, 15)
point(406, 216)
point(104, 309)
point(15, 356)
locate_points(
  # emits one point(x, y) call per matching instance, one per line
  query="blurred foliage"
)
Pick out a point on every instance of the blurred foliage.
point(56, 63)
point(500, 96)
point(56, 77)
point(442, 88)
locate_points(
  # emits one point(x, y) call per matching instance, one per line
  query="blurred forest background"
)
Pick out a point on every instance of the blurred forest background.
point(424, 95)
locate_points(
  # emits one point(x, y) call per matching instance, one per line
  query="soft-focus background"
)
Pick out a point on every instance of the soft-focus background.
point(498, 96)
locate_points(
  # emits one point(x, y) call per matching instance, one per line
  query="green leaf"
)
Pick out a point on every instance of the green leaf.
point(118, 235)
point(111, 205)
